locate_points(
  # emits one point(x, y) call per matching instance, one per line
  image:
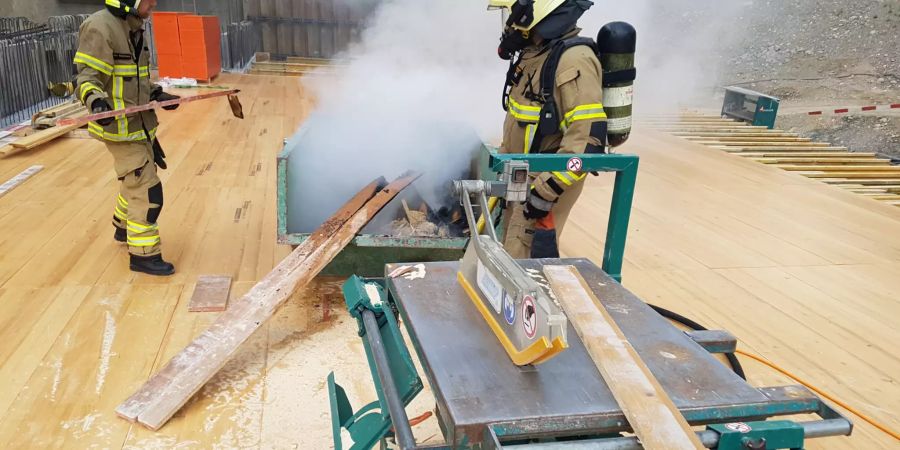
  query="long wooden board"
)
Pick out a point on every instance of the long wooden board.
point(82, 120)
point(649, 410)
point(167, 391)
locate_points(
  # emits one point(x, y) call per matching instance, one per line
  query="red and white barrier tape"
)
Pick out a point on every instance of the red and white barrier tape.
point(856, 109)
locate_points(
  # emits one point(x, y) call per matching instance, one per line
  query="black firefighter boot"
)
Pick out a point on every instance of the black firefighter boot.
point(120, 235)
point(153, 265)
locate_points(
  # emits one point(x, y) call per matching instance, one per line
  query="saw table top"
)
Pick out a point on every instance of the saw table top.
point(475, 384)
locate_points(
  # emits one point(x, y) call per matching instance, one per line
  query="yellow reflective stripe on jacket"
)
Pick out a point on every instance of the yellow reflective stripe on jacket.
point(568, 177)
point(130, 70)
point(122, 201)
point(120, 214)
point(139, 135)
point(529, 136)
point(87, 88)
point(524, 113)
point(583, 112)
point(119, 103)
point(93, 63)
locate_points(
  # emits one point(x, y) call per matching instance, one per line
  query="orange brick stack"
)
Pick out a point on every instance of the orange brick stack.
point(187, 45)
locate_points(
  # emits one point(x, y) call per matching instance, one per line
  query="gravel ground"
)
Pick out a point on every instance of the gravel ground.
point(822, 54)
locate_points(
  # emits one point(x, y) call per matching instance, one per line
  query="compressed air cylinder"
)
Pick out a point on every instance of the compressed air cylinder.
point(616, 44)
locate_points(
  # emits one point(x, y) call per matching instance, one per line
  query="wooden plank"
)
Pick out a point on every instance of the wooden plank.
point(210, 293)
point(47, 118)
point(780, 145)
point(716, 134)
point(767, 139)
point(803, 154)
point(887, 168)
point(17, 180)
point(851, 175)
point(84, 119)
point(649, 410)
point(39, 138)
point(881, 196)
point(805, 150)
point(862, 181)
point(167, 391)
point(823, 161)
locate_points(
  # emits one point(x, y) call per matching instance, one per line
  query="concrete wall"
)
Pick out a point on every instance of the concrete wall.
point(40, 10)
point(228, 11)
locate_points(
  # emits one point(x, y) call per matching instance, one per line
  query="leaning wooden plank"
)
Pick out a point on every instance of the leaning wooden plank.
point(210, 293)
point(167, 391)
point(15, 181)
point(649, 410)
point(141, 401)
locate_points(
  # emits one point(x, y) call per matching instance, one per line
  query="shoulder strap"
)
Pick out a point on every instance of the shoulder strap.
point(549, 122)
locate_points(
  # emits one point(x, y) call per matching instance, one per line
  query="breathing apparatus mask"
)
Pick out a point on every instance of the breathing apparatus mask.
point(512, 39)
point(550, 19)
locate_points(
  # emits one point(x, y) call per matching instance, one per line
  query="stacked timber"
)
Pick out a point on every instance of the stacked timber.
point(293, 65)
point(44, 129)
point(864, 173)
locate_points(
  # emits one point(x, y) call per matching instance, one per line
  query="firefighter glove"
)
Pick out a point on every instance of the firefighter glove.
point(159, 157)
point(158, 95)
point(101, 106)
point(536, 207)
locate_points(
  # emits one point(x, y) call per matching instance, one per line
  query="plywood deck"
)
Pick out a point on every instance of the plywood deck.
point(803, 273)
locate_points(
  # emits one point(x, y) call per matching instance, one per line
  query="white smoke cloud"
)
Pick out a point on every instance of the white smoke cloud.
point(426, 74)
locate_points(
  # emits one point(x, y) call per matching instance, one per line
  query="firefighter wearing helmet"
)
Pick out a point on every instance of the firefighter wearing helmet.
point(548, 110)
point(113, 72)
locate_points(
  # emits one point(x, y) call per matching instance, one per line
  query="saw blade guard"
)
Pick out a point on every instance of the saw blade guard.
point(529, 324)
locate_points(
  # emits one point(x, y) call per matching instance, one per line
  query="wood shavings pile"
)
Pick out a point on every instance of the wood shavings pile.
point(416, 224)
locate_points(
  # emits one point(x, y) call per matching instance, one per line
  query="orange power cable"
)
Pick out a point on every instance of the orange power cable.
point(862, 416)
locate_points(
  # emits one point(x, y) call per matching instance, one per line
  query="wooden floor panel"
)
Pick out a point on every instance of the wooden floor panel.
point(803, 273)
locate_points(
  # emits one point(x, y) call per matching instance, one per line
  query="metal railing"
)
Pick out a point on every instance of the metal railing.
point(32, 56)
point(240, 41)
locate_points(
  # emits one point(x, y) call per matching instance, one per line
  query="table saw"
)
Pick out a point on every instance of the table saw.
point(484, 400)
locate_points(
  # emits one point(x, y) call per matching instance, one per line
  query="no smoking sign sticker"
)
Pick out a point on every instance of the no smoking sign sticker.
point(575, 165)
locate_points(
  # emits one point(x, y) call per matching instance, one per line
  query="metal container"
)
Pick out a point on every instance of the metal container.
point(367, 254)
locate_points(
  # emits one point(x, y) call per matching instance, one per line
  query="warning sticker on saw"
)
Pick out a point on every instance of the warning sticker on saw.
point(509, 309)
point(490, 287)
point(740, 427)
point(575, 164)
point(529, 317)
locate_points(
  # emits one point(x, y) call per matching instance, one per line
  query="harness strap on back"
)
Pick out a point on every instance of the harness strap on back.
point(549, 121)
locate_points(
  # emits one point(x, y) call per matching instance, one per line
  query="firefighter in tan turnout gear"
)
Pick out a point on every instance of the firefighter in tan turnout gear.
point(533, 33)
point(113, 63)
